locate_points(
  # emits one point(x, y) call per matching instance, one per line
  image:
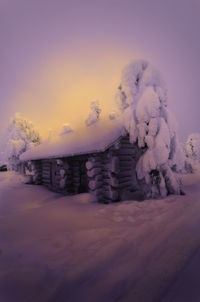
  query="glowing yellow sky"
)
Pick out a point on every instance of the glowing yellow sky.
point(61, 89)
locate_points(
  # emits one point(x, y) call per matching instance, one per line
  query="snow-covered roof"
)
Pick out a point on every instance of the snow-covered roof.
point(95, 138)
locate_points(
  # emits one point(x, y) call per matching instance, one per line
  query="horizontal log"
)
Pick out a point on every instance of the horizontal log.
point(123, 185)
point(46, 175)
point(114, 166)
point(46, 165)
point(125, 158)
point(76, 181)
point(93, 172)
point(128, 144)
point(126, 173)
point(114, 182)
point(46, 170)
point(124, 179)
point(46, 180)
point(95, 157)
point(46, 183)
point(75, 175)
point(128, 155)
point(125, 141)
point(130, 148)
point(112, 195)
point(125, 164)
point(38, 167)
point(92, 164)
point(98, 192)
point(126, 167)
point(96, 177)
point(93, 185)
point(66, 166)
point(62, 172)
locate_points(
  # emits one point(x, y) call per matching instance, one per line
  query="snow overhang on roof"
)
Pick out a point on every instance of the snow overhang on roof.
point(84, 140)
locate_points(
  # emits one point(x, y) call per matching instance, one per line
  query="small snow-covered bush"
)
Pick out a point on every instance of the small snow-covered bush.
point(21, 136)
point(142, 100)
point(192, 146)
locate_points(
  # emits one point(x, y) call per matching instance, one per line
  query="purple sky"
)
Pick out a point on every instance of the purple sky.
point(34, 31)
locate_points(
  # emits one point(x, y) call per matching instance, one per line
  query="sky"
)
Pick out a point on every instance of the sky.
point(56, 56)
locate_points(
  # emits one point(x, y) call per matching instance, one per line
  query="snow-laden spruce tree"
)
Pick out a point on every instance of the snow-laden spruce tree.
point(192, 146)
point(21, 136)
point(142, 100)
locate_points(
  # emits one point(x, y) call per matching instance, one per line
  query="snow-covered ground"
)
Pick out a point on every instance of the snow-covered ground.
point(58, 248)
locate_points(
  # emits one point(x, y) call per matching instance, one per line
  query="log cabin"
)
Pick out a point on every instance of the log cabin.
point(98, 159)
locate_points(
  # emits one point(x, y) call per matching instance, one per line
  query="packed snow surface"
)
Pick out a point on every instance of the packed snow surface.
point(85, 139)
point(69, 248)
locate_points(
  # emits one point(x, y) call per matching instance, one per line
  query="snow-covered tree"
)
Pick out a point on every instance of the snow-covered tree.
point(142, 100)
point(93, 117)
point(192, 146)
point(21, 136)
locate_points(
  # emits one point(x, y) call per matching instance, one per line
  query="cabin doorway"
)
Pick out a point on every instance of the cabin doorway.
point(80, 178)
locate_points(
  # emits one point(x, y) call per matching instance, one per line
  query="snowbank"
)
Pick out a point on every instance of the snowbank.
point(55, 248)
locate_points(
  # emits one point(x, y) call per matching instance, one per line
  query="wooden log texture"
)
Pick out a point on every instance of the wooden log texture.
point(112, 194)
point(124, 185)
point(44, 169)
point(94, 185)
point(126, 151)
point(114, 165)
point(46, 173)
point(92, 164)
point(98, 192)
point(113, 181)
point(93, 172)
point(123, 158)
point(125, 178)
point(125, 164)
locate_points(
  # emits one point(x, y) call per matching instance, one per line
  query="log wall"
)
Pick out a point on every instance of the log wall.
point(108, 174)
